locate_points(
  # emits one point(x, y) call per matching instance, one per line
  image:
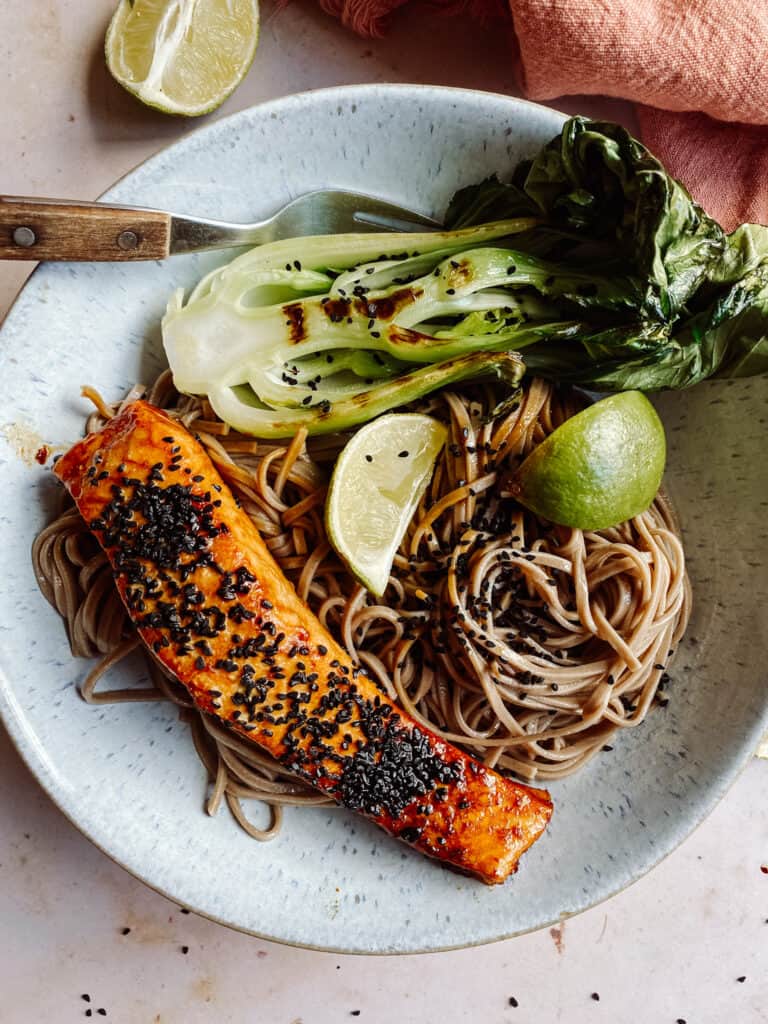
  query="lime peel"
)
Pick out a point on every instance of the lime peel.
point(377, 483)
point(597, 469)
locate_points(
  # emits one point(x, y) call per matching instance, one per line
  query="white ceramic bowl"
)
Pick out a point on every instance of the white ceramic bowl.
point(127, 776)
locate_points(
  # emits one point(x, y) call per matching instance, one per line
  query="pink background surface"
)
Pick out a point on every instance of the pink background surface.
point(673, 946)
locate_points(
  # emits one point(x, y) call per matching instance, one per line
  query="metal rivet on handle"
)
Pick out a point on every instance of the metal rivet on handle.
point(25, 237)
point(128, 240)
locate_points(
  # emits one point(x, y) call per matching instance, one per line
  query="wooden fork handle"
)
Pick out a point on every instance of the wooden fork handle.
point(52, 229)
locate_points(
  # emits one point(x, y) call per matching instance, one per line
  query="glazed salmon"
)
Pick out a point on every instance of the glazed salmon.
point(209, 600)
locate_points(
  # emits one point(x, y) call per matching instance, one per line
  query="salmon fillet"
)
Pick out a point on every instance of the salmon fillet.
point(212, 605)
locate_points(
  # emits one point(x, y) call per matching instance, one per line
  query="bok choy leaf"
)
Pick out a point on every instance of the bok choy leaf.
point(604, 201)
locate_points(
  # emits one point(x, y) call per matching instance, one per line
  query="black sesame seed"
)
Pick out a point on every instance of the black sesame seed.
point(595, 996)
point(409, 834)
point(402, 455)
point(513, 1002)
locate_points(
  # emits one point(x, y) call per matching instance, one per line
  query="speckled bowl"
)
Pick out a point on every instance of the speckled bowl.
point(127, 775)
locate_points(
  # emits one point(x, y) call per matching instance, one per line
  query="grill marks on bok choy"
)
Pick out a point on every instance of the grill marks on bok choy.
point(591, 261)
point(357, 325)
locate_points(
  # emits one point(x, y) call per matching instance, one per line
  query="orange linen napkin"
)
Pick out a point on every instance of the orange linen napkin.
point(696, 69)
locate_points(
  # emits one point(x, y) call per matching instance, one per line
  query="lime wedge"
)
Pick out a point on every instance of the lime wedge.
point(182, 56)
point(376, 485)
point(599, 468)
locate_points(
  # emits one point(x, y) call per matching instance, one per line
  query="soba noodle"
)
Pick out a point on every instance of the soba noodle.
point(527, 644)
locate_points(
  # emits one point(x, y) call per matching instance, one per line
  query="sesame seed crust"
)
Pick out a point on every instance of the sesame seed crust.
point(212, 605)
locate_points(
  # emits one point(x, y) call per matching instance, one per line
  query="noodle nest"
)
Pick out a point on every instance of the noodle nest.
point(527, 644)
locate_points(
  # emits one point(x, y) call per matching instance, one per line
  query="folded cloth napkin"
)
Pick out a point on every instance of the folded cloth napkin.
point(695, 68)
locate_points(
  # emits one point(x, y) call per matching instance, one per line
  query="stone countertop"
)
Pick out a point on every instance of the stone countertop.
point(689, 942)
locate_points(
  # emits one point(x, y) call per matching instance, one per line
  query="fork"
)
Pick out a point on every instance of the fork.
point(54, 229)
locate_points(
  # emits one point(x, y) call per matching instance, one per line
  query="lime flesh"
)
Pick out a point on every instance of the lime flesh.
point(377, 483)
point(182, 56)
point(601, 467)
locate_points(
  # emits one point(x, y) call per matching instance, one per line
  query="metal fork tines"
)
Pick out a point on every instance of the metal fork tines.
point(322, 212)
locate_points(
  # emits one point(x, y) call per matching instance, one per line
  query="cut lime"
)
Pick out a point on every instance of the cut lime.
point(182, 56)
point(377, 483)
point(599, 468)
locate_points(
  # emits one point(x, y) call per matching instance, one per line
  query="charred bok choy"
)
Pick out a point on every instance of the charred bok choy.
point(329, 331)
point(591, 261)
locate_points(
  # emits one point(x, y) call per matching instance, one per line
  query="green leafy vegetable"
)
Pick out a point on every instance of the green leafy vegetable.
point(591, 261)
point(604, 201)
point(333, 337)
point(240, 408)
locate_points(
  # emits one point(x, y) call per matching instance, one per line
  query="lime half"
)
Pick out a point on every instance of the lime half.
point(182, 56)
point(377, 483)
point(599, 468)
